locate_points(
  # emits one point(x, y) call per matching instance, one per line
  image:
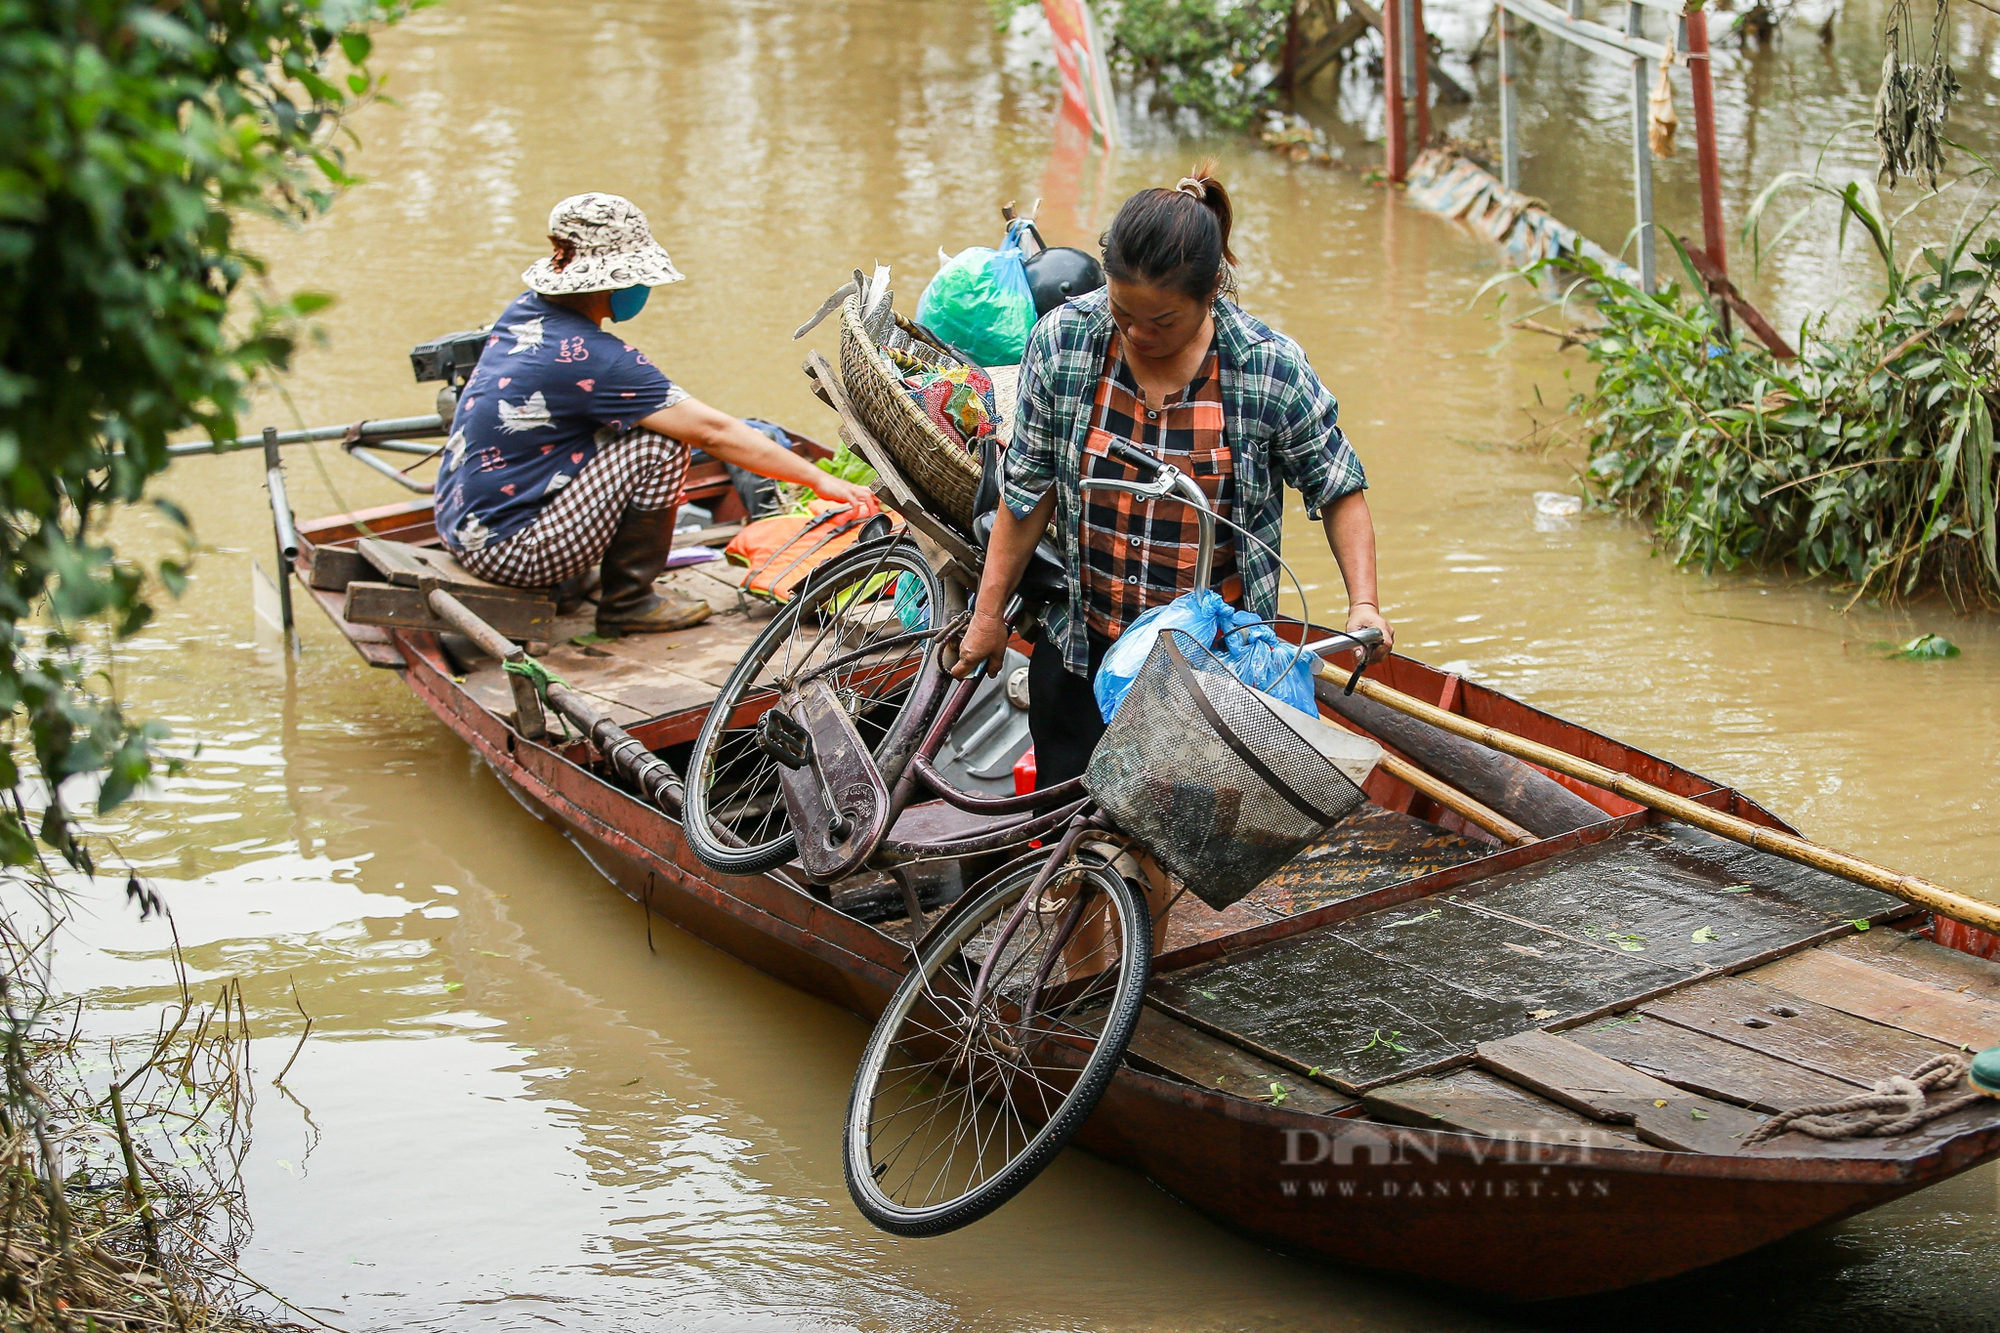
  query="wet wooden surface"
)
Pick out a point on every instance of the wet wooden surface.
point(1912, 956)
point(1854, 987)
point(1414, 988)
point(1164, 1045)
point(1713, 1068)
point(1474, 1101)
point(1777, 1023)
point(1615, 1093)
point(643, 676)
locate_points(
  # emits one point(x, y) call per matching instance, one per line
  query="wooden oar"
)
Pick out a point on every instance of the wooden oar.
point(1910, 888)
point(1451, 798)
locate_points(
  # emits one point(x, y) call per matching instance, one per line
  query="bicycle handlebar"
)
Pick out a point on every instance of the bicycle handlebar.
point(1168, 482)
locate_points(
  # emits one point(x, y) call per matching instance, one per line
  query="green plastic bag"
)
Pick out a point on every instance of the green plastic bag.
point(979, 302)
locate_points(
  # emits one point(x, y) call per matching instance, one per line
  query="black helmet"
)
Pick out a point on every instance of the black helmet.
point(1060, 272)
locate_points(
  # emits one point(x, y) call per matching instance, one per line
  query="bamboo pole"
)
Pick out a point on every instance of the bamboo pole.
point(1910, 888)
point(1451, 798)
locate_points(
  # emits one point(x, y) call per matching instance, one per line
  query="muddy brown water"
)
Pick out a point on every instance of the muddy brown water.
point(515, 1111)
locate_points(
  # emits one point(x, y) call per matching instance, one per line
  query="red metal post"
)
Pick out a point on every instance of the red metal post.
point(1422, 42)
point(1704, 141)
point(1392, 88)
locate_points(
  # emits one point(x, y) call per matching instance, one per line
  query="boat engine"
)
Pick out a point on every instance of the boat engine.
point(451, 359)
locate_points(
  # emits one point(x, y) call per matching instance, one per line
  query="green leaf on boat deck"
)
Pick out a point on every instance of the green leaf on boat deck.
point(1205, 994)
point(1923, 648)
point(1412, 920)
point(1706, 935)
point(1616, 1022)
point(1629, 943)
point(1379, 1040)
point(1278, 1094)
point(1698, 1115)
point(1859, 923)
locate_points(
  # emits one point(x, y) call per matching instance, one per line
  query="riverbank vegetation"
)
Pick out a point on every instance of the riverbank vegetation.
point(1868, 459)
point(132, 139)
point(120, 1166)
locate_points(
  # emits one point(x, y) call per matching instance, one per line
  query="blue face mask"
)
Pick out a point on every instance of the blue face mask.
point(627, 302)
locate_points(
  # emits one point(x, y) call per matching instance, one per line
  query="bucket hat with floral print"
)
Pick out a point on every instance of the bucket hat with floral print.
point(602, 244)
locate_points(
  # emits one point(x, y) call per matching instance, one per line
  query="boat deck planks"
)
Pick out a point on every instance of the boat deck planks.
point(1854, 987)
point(1615, 1093)
point(1778, 1023)
point(1713, 1068)
point(1413, 988)
point(1474, 1101)
point(1168, 1045)
point(1919, 959)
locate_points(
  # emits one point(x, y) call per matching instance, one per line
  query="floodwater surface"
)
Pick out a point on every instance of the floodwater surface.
point(519, 1107)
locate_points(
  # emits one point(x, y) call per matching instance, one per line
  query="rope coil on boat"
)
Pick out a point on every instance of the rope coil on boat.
point(1899, 1104)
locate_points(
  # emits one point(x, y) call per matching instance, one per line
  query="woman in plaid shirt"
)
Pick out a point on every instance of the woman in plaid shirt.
point(1159, 358)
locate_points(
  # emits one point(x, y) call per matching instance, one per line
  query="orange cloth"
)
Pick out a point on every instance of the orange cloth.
point(782, 552)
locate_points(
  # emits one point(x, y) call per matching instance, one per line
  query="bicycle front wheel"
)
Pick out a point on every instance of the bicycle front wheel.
point(856, 624)
point(996, 1047)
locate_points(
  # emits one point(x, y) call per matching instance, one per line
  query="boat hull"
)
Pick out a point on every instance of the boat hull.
point(1512, 1218)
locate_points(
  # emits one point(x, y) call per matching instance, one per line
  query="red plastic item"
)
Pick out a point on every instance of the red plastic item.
point(1024, 773)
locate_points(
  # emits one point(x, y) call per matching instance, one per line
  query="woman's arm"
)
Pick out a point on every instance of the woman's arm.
point(1008, 551)
point(1350, 532)
point(724, 437)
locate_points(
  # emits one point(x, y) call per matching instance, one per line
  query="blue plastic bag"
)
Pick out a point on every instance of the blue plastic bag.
point(1261, 660)
point(1201, 615)
point(1251, 649)
point(979, 302)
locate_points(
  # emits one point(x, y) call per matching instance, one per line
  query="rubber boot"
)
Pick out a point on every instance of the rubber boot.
point(572, 592)
point(636, 556)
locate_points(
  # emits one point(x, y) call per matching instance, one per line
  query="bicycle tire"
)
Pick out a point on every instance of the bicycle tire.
point(724, 757)
point(866, 1170)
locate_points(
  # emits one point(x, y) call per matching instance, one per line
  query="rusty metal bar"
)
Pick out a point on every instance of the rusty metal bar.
point(1394, 147)
point(1713, 239)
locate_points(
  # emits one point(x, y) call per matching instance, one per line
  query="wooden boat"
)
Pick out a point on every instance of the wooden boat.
point(1524, 1070)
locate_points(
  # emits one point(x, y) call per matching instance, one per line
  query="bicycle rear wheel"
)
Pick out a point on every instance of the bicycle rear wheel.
point(959, 1103)
point(857, 616)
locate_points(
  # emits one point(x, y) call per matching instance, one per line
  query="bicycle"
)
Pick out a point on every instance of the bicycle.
point(1024, 992)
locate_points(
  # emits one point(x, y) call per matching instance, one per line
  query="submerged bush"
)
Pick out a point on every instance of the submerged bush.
point(1869, 459)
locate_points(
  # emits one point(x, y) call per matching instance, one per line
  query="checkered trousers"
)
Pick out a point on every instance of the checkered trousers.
point(638, 470)
point(1140, 553)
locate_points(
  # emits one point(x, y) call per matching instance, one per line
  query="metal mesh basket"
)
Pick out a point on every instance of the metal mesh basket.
point(1203, 774)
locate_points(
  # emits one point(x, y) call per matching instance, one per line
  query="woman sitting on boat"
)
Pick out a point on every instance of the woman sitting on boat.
point(570, 445)
point(1160, 358)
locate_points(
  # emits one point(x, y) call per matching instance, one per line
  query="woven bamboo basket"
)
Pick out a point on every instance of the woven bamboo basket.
point(938, 466)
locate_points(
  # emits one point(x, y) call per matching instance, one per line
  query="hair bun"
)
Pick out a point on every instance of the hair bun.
point(1194, 187)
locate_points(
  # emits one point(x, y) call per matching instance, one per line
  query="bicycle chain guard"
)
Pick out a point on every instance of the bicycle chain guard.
point(835, 835)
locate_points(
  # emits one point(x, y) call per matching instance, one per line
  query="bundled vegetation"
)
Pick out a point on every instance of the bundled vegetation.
point(1869, 459)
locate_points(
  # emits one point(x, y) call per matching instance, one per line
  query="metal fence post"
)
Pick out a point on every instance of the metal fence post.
point(1420, 71)
point(1393, 40)
point(1510, 130)
point(1704, 140)
point(1642, 152)
point(281, 524)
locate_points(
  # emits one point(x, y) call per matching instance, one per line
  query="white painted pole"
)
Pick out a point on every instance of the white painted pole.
point(1510, 130)
point(1642, 152)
